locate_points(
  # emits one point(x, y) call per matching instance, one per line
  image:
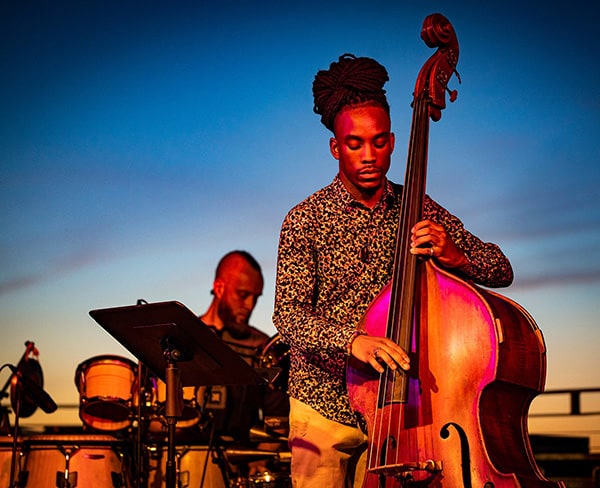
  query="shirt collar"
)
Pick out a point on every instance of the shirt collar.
point(347, 200)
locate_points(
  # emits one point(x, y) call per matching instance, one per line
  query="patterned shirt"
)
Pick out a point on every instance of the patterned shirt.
point(335, 255)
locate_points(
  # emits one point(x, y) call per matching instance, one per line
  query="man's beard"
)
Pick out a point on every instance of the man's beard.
point(237, 327)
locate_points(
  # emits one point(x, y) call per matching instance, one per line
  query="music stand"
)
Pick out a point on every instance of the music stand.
point(179, 349)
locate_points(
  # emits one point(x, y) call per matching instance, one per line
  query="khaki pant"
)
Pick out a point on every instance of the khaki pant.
point(325, 454)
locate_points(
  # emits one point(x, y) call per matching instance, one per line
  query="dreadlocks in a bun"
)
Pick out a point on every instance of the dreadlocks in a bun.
point(348, 81)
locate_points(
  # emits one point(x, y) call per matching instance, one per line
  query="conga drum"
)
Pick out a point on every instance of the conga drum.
point(193, 464)
point(96, 461)
point(6, 447)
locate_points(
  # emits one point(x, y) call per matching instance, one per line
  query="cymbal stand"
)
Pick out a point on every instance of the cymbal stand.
point(208, 451)
point(140, 453)
point(214, 454)
point(217, 452)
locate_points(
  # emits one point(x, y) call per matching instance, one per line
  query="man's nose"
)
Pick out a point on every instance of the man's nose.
point(250, 303)
point(368, 155)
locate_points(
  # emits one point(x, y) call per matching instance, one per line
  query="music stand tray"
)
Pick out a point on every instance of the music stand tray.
point(147, 329)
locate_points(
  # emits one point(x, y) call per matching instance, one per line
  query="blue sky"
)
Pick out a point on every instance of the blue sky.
point(139, 142)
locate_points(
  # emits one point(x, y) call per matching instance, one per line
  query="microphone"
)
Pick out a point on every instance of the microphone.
point(34, 391)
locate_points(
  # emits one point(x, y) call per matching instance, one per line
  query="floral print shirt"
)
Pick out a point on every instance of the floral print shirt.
point(334, 256)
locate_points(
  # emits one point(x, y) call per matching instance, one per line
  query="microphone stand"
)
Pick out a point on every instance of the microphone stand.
point(13, 459)
point(29, 348)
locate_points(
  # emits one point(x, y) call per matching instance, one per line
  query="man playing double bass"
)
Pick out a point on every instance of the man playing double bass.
point(336, 252)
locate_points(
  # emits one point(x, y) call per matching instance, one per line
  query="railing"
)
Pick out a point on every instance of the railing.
point(574, 402)
point(569, 412)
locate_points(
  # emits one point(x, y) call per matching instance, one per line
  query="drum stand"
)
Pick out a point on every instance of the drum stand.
point(168, 332)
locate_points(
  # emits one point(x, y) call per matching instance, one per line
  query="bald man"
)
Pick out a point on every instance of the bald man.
point(236, 288)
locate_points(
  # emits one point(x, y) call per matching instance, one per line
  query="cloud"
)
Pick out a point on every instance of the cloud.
point(21, 282)
point(59, 267)
point(582, 277)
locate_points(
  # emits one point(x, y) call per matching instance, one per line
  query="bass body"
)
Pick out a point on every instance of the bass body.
point(478, 360)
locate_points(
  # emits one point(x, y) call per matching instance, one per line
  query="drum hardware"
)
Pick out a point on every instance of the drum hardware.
point(141, 399)
point(190, 414)
point(277, 426)
point(263, 480)
point(285, 457)
point(238, 456)
point(275, 355)
point(261, 435)
point(277, 423)
point(277, 477)
point(271, 374)
point(68, 478)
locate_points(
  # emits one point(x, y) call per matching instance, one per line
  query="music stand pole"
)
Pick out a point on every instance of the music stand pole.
point(173, 408)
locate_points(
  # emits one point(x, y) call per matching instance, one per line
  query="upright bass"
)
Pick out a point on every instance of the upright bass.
point(458, 417)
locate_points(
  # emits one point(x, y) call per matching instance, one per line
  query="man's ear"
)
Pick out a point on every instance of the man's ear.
point(334, 148)
point(218, 287)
